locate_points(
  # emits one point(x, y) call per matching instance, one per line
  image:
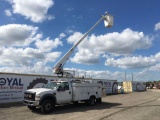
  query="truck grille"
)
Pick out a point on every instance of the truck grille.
point(29, 96)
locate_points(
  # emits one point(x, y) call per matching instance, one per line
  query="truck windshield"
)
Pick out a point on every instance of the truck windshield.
point(51, 85)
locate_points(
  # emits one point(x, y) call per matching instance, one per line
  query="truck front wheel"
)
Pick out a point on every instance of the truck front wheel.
point(47, 106)
point(91, 101)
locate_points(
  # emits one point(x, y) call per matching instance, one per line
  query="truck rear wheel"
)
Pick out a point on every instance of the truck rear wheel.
point(91, 101)
point(47, 106)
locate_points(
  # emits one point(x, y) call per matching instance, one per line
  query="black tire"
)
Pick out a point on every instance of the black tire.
point(99, 100)
point(32, 107)
point(91, 101)
point(47, 106)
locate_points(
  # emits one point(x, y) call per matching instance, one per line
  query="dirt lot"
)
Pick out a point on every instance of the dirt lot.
point(133, 106)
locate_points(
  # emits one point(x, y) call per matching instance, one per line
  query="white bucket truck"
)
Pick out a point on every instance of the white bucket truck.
point(60, 92)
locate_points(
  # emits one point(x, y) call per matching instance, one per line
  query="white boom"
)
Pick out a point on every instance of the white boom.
point(58, 68)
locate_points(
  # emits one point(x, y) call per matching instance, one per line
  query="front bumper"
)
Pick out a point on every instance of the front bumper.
point(30, 103)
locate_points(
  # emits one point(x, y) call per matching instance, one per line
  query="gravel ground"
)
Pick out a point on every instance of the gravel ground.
point(132, 106)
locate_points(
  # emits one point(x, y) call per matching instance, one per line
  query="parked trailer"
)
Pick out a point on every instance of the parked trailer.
point(133, 86)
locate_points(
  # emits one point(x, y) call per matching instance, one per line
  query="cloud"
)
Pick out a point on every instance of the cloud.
point(155, 68)
point(41, 68)
point(62, 35)
point(157, 26)
point(69, 31)
point(47, 45)
point(115, 43)
point(8, 12)
point(18, 50)
point(74, 37)
point(25, 56)
point(51, 57)
point(122, 43)
point(37, 68)
point(134, 62)
point(21, 35)
point(86, 56)
point(17, 34)
point(35, 10)
point(19, 57)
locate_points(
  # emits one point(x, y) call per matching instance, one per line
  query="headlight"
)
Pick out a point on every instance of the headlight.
point(30, 96)
point(37, 97)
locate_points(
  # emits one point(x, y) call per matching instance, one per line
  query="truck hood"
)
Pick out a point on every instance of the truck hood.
point(41, 90)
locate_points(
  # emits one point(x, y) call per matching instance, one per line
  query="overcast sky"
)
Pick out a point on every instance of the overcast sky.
point(35, 34)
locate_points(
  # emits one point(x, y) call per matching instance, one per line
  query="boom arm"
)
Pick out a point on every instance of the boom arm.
point(58, 68)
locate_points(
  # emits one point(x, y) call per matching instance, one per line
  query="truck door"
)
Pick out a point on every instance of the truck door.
point(64, 93)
